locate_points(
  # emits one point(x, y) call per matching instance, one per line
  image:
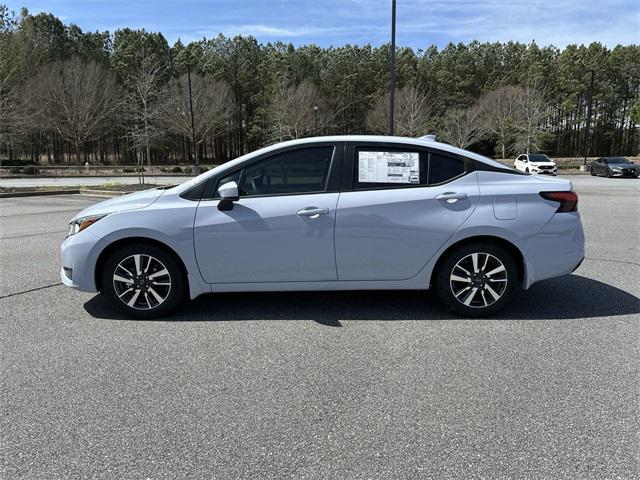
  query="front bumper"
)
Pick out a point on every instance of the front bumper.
point(551, 171)
point(624, 173)
point(78, 263)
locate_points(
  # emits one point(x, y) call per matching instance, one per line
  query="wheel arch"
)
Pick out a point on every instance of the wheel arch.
point(513, 250)
point(116, 244)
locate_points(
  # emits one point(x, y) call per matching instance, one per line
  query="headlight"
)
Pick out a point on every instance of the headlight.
point(616, 169)
point(80, 224)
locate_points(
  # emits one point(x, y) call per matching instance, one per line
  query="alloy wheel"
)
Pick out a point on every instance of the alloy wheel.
point(142, 282)
point(478, 280)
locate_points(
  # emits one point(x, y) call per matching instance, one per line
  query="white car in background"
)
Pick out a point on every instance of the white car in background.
point(536, 164)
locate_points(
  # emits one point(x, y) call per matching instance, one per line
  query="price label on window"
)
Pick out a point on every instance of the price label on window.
point(388, 167)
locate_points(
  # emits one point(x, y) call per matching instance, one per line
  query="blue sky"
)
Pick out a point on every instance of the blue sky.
point(336, 22)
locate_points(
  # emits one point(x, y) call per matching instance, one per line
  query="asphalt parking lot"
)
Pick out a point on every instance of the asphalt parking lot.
point(323, 385)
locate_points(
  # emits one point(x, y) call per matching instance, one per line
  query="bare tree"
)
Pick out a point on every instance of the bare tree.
point(500, 115)
point(75, 98)
point(297, 110)
point(532, 111)
point(212, 107)
point(145, 129)
point(462, 127)
point(9, 117)
point(413, 111)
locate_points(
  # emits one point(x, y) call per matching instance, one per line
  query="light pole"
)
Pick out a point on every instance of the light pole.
point(588, 126)
point(243, 126)
point(315, 118)
point(392, 71)
point(195, 169)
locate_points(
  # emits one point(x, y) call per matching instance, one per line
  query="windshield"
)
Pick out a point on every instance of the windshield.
point(618, 160)
point(538, 157)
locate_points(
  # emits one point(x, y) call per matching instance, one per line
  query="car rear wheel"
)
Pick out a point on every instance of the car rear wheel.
point(143, 281)
point(477, 279)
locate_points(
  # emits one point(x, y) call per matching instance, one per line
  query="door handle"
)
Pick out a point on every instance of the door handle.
point(312, 212)
point(451, 197)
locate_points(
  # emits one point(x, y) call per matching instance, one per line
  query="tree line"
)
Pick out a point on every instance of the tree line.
point(68, 96)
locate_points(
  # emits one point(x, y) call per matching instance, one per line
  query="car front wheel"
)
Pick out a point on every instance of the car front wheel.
point(593, 173)
point(477, 279)
point(143, 281)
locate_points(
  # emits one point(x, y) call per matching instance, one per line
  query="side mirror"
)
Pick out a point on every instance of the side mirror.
point(228, 194)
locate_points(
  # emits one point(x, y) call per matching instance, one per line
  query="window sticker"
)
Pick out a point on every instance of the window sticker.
point(388, 167)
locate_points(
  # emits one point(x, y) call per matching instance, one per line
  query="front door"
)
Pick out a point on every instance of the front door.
point(280, 230)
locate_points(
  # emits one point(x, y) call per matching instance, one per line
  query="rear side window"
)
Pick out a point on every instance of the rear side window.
point(376, 168)
point(389, 168)
point(443, 168)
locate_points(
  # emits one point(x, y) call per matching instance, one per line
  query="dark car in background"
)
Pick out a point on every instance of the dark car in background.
point(614, 167)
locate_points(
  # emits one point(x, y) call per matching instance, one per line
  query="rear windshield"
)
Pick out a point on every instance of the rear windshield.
point(538, 157)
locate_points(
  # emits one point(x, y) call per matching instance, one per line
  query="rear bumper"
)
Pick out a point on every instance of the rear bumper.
point(578, 265)
point(556, 250)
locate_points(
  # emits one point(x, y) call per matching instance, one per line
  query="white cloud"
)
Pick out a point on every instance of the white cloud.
point(557, 22)
point(271, 31)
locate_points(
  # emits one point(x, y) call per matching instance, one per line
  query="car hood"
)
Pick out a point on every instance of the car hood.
point(543, 164)
point(131, 201)
point(623, 165)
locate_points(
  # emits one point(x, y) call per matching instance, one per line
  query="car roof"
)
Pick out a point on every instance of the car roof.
point(418, 142)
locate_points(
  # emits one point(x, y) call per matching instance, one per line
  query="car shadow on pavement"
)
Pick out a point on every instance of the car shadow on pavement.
point(569, 297)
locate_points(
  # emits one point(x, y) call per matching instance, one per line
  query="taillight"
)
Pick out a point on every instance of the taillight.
point(568, 200)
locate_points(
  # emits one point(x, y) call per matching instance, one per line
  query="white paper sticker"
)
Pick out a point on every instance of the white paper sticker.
point(388, 167)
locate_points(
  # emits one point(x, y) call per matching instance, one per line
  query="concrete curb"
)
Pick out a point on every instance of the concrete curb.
point(101, 193)
point(124, 175)
point(83, 191)
point(39, 194)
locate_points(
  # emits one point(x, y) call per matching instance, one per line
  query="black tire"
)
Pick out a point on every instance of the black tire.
point(526, 170)
point(593, 174)
point(608, 173)
point(173, 295)
point(444, 284)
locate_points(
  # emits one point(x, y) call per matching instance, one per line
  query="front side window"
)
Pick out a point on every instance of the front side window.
point(297, 171)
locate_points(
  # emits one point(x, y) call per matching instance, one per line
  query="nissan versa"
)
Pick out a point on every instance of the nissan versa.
point(331, 213)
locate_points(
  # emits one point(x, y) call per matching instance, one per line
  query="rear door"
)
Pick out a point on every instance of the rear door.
point(398, 206)
point(281, 228)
